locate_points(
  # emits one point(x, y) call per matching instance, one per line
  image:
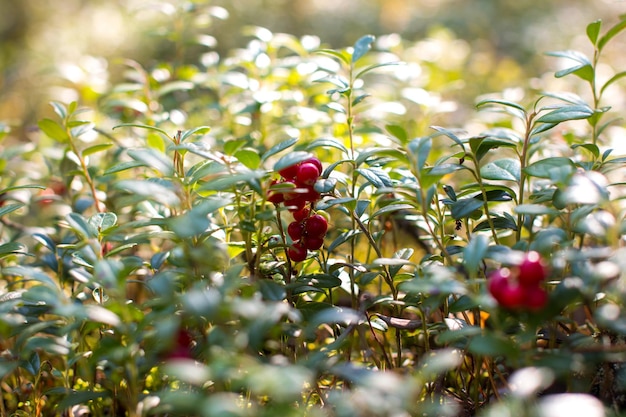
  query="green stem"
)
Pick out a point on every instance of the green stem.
point(523, 163)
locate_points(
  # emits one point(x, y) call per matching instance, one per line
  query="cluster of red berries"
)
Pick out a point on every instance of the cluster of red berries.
point(519, 287)
point(308, 229)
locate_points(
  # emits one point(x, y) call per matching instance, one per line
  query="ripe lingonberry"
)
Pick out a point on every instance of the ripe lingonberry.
point(313, 243)
point(297, 252)
point(315, 162)
point(295, 204)
point(507, 293)
point(531, 270)
point(307, 173)
point(535, 298)
point(300, 215)
point(316, 226)
point(289, 172)
point(295, 230)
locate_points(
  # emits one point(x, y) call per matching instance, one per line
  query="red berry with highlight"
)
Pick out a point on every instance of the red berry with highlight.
point(295, 230)
point(531, 270)
point(297, 252)
point(316, 226)
point(307, 174)
point(315, 162)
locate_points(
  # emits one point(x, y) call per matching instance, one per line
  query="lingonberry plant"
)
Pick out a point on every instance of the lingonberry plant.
point(248, 236)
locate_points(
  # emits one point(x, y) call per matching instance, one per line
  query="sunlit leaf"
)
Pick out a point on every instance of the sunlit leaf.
point(611, 33)
point(593, 30)
point(361, 47)
point(53, 130)
point(502, 169)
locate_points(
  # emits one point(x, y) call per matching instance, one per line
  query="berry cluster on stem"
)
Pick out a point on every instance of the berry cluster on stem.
point(308, 228)
point(519, 288)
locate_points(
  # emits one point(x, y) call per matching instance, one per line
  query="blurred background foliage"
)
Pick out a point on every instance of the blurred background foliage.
point(483, 45)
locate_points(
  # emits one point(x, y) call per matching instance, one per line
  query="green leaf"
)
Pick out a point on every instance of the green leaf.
point(361, 47)
point(491, 345)
point(60, 109)
point(377, 177)
point(506, 169)
point(103, 221)
point(53, 130)
point(279, 147)
point(96, 148)
point(571, 98)
point(420, 149)
point(464, 207)
point(225, 182)
point(123, 166)
point(613, 79)
point(449, 134)
point(248, 157)
point(147, 127)
point(196, 220)
point(153, 159)
point(373, 67)
point(174, 86)
point(566, 113)
point(9, 208)
point(500, 102)
point(12, 248)
point(572, 55)
point(343, 238)
point(543, 167)
point(150, 190)
point(341, 56)
point(291, 159)
point(591, 147)
point(200, 130)
point(474, 253)
point(534, 210)
point(593, 30)
point(80, 226)
point(611, 33)
point(583, 71)
point(327, 143)
point(499, 223)
point(398, 132)
point(318, 281)
point(437, 281)
point(391, 208)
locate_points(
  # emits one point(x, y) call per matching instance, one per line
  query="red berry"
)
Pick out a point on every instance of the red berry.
point(535, 298)
point(531, 270)
point(289, 172)
point(295, 204)
point(498, 282)
point(316, 226)
point(307, 174)
point(275, 197)
point(313, 243)
point(297, 252)
point(315, 162)
point(513, 296)
point(300, 215)
point(311, 194)
point(295, 230)
point(507, 293)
